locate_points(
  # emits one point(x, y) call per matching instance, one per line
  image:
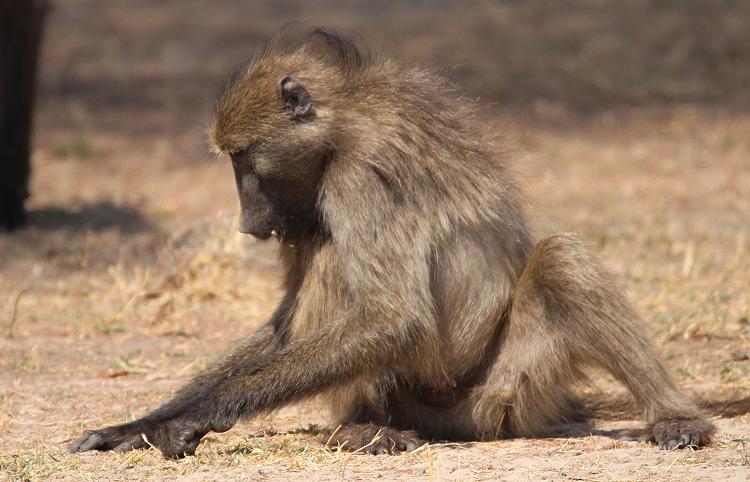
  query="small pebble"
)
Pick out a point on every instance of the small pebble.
point(739, 356)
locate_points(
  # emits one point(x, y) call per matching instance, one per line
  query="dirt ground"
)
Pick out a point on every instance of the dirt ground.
point(130, 276)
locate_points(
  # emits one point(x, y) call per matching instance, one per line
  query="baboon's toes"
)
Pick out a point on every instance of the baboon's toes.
point(375, 439)
point(677, 434)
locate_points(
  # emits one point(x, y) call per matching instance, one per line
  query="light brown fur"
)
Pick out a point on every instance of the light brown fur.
point(416, 297)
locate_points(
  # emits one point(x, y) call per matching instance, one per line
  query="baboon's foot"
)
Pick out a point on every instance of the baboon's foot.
point(677, 434)
point(374, 439)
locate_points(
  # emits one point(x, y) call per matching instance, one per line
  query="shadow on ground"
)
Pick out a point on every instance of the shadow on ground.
point(95, 217)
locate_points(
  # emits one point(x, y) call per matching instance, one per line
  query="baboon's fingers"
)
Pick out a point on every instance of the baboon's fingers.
point(90, 440)
point(179, 438)
point(182, 449)
point(104, 439)
point(133, 443)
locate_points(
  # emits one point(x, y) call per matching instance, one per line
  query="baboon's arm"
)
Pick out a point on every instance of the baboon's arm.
point(256, 347)
point(247, 387)
point(243, 386)
point(252, 351)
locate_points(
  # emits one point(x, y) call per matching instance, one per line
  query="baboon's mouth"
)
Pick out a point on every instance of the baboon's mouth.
point(261, 235)
point(265, 235)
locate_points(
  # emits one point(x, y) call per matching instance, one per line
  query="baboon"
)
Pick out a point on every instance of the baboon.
point(417, 302)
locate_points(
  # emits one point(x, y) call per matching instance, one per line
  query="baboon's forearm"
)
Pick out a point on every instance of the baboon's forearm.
point(252, 350)
point(298, 371)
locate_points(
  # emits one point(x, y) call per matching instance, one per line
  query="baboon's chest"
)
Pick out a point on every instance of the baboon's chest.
point(322, 298)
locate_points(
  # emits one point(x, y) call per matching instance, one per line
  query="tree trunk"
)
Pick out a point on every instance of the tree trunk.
point(21, 24)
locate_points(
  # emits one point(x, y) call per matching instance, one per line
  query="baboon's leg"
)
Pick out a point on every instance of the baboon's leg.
point(528, 389)
point(567, 314)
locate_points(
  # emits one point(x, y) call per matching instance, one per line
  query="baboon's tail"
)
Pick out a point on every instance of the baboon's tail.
point(621, 406)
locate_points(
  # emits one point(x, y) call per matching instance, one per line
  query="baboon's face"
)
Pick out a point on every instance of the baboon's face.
point(281, 158)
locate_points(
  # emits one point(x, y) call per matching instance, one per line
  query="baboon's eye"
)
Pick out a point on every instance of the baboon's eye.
point(250, 149)
point(246, 158)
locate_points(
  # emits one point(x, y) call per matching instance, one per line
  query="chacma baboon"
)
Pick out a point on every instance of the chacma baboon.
point(416, 298)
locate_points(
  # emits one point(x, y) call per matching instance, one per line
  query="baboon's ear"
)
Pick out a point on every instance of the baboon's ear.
point(295, 98)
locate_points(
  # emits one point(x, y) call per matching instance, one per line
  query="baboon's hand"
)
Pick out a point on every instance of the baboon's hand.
point(677, 434)
point(175, 438)
point(110, 438)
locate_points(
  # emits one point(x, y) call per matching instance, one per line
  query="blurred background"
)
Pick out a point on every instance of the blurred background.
point(627, 121)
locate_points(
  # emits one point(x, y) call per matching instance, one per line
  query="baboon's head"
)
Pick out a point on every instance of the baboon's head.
point(276, 122)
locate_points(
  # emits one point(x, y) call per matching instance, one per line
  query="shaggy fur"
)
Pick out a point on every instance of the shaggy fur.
point(416, 297)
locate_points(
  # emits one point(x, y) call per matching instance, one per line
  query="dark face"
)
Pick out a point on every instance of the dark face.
point(278, 139)
point(278, 189)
